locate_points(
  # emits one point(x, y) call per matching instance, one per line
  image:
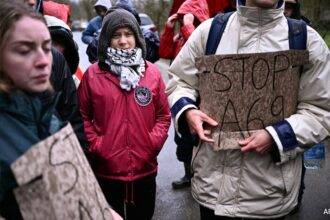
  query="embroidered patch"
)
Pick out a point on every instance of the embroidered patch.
point(142, 96)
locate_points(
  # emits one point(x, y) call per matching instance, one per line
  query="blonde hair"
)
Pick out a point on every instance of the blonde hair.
point(11, 12)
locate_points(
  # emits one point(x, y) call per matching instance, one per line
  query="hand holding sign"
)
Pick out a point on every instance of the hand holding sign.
point(195, 119)
point(261, 142)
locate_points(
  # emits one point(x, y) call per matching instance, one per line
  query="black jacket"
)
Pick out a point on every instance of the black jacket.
point(67, 108)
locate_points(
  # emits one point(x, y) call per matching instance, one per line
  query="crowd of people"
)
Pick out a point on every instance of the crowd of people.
point(121, 109)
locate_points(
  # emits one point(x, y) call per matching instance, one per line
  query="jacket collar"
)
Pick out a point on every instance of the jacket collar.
point(259, 17)
point(28, 109)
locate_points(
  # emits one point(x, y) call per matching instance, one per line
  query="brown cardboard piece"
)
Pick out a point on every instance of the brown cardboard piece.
point(248, 92)
point(56, 182)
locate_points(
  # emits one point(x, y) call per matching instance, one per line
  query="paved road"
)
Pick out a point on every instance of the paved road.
point(179, 205)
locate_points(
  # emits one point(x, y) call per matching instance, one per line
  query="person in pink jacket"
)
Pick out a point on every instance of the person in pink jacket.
point(126, 117)
point(190, 14)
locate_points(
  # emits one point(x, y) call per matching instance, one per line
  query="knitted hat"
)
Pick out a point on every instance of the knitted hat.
point(115, 19)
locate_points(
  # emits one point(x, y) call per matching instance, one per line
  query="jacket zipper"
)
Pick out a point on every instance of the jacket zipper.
point(127, 138)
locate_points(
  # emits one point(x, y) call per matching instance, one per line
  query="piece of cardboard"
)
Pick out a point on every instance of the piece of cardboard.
point(247, 92)
point(56, 182)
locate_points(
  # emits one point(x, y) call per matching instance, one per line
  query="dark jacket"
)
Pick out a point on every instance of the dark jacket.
point(90, 32)
point(24, 122)
point(67, 108)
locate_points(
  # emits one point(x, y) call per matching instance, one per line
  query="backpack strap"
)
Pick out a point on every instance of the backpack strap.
point(297, 34)
point(217, 28)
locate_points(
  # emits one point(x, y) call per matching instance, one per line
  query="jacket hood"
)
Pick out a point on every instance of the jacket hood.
point(29, 109)
point(128, 3)
point(296, 14)
point(199, 8)
point(128, 6)
point(104, 3)
point(61, 32)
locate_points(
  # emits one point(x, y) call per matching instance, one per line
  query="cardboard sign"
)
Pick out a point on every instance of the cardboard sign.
point(248, 92)
point(56, 182)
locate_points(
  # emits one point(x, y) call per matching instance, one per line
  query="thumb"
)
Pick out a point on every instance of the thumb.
point(245, 141)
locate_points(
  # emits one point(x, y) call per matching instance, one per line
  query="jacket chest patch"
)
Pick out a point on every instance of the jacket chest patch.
point(142, 96)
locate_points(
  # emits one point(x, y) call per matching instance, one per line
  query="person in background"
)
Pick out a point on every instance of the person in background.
point(190, 14)
point(62, 40)
point(231, 6)
point(25, 68)
point(101, 7)
point(260, 180)
point(126, 117)
point(151, 38)
point(292, 10)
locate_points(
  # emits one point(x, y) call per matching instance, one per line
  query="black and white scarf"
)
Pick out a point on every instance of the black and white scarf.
point(128, 64)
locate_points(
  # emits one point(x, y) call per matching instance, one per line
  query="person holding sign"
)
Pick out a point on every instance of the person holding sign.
point(126, 116)
point(25, 67)
point(257, 175)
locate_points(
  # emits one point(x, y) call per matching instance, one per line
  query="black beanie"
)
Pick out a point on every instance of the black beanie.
point(115, 19)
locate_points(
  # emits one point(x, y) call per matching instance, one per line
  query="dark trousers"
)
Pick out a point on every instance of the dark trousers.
point(208, 214)
point(131, 200)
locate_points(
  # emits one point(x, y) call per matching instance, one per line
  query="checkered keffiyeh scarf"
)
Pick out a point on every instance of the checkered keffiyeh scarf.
point(128, 64)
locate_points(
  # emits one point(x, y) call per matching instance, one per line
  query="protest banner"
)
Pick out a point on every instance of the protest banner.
point(56, 182)
point(247, 92)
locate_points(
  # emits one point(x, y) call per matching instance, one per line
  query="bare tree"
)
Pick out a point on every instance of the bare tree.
point(158, 10)
point(317, 11)
point(88, 7)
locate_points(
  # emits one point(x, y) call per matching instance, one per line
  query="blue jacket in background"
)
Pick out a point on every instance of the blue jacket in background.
point(90, 32)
